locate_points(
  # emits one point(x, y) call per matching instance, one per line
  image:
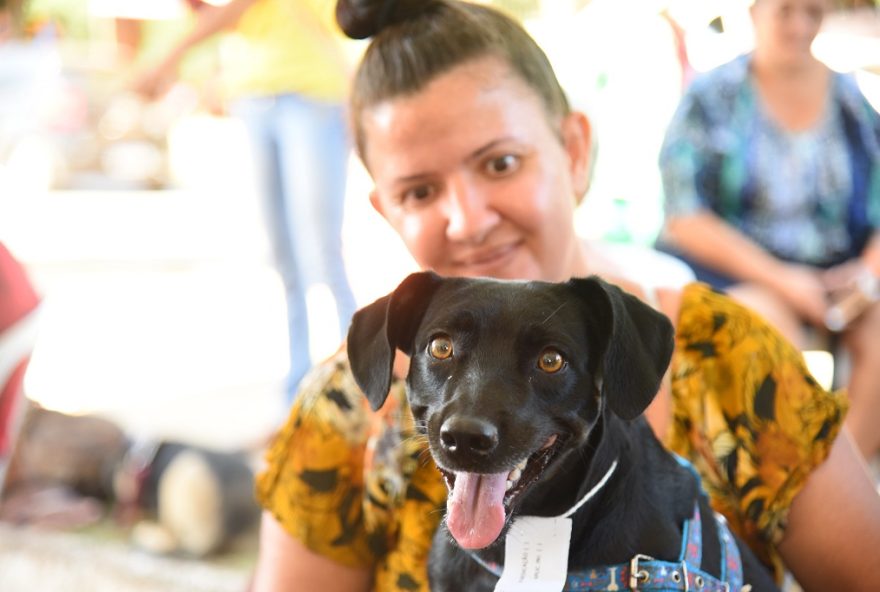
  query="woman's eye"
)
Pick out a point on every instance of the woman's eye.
point(440, 347)
point(551, 361)
point(420, 193)
point(502, 165)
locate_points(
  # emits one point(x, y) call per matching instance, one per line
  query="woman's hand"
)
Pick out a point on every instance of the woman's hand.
point(156, 81)
point(844, 276)
point(803, 288)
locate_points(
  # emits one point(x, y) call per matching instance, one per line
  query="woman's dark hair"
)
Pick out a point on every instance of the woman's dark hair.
point(414, 41)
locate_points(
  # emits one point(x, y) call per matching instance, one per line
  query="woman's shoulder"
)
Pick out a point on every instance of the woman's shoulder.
point(705, 313)
point(667, 284)
point(331, 382)
point(653, 276)
point(328, 405)
point(717, 99)
point(723, 79)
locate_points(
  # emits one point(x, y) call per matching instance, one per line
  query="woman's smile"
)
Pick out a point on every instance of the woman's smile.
point(486, 261)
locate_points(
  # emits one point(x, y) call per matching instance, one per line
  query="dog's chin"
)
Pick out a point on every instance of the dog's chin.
point(519, 479)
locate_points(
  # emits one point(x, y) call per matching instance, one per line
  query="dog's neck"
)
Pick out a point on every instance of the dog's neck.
point(633, 498)
point(599, 536)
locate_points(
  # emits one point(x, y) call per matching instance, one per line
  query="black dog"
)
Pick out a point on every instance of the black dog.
point(531, 394)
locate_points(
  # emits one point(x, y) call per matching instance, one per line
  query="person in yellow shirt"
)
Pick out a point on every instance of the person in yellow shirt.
point(286, 76)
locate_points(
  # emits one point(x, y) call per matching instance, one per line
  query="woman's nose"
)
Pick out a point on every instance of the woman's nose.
point(470, 216)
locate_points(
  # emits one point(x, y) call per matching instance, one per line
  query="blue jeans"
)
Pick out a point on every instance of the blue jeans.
point(301, 152)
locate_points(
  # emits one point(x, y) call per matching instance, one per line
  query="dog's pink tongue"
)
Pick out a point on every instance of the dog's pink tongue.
point(475, 510)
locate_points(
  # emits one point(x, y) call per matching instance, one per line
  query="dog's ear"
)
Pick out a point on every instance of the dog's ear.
point(380, 328)
point(638, 348)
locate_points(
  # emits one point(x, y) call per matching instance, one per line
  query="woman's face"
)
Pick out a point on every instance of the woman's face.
point(785, 29)
point(475, 179)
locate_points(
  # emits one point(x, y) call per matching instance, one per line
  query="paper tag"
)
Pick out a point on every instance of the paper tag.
point(535, 555)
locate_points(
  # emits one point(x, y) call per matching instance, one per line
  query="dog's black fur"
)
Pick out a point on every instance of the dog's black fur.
point(488, 406)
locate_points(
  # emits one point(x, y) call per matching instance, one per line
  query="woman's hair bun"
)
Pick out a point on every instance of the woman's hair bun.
point(360, 19)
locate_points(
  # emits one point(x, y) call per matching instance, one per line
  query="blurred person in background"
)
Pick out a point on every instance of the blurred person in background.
point(771, 174)
point(479, 163)
point(286, 76)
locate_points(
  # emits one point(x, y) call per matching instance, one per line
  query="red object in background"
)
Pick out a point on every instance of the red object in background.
point(17, 300)
point(10, 399)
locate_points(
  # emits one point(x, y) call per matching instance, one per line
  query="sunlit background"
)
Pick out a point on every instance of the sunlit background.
point(138, 221)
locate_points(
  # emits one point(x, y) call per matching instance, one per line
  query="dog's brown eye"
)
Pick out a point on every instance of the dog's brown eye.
point(551, 361)
point(441, 347)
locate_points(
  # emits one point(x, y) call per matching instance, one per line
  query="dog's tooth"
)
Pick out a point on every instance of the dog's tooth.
point(509, 485)
point(522, 465)
point(515, 474)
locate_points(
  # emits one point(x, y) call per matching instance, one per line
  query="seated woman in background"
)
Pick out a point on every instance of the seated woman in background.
point(771, 171)
point(479, 163)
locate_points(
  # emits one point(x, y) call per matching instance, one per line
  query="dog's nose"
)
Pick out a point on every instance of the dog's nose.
point(463, 435)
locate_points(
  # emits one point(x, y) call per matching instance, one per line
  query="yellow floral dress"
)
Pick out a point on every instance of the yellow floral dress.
point(360, 487)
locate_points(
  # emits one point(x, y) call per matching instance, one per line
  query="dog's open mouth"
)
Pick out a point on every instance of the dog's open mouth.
point(479, 503)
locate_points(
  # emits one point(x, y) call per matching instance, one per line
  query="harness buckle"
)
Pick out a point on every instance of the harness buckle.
point(638, 576)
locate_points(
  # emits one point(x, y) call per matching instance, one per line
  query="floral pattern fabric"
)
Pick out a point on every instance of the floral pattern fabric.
point(747, 414)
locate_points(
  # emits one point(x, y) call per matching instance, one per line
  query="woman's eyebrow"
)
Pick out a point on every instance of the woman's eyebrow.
point(407, 179)
point(475, 155)
point(482, 150)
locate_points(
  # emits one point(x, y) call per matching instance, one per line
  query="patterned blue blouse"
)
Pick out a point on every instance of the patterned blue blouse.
point(810, 196)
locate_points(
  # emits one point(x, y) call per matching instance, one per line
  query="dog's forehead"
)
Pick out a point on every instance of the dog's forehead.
point(526, 301)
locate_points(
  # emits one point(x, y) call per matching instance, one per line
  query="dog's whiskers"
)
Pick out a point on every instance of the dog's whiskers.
point(425, 457)
point(419, 439)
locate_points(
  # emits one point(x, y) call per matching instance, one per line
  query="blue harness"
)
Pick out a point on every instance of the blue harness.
point(643, 572)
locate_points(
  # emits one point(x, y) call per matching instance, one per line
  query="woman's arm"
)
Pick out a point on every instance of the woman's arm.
point(210, 20)
point(834, 525)
point(285, 564)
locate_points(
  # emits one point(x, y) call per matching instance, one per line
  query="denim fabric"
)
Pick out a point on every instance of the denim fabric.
point(301, 150)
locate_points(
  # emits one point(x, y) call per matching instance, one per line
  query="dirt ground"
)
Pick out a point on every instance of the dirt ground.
point(97, 561)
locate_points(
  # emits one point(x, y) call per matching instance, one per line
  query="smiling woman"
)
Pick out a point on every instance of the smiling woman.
point(456, 194)
point(478, 164)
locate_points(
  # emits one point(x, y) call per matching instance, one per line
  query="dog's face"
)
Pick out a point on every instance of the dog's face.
point(507, 378)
